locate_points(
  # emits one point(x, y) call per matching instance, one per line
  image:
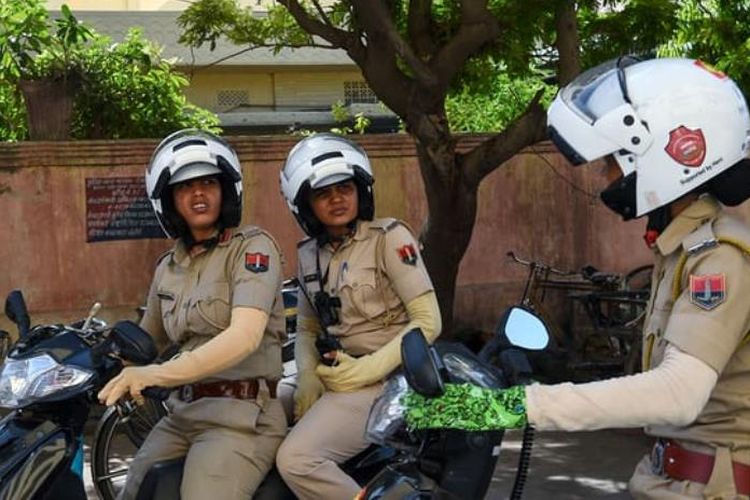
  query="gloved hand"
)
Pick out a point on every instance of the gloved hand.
point(467, 407)
point(349, 374)
point(131, 380)
point(309, 389)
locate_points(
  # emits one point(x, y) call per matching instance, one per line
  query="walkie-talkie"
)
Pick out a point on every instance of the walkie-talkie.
point(327, 308)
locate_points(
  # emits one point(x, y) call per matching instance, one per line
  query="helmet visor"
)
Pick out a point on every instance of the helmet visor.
point(599, 90)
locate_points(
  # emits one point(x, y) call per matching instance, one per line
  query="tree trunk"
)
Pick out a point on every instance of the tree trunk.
point(452, 205)
point(567, 42)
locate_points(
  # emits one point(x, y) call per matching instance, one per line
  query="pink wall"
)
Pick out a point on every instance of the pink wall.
point(529, 205)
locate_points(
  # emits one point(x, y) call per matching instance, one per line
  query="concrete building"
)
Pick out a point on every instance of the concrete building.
point(252, 91)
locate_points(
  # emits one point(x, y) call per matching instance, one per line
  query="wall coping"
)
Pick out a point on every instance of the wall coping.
point(110, 153)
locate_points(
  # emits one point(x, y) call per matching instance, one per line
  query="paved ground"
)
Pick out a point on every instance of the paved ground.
point(564, 466)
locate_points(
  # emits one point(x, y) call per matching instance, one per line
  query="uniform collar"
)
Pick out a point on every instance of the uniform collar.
point(180, 255)
point(361, 232)
point(704, 208)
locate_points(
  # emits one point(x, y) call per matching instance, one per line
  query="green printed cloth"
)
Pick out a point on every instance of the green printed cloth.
point(467, 407)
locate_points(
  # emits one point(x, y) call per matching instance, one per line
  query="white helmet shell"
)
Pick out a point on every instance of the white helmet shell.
point(675, 123)
point(320, 160)
point(188, 154)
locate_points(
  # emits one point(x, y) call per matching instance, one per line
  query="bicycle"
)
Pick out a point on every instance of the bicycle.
point(599, 333)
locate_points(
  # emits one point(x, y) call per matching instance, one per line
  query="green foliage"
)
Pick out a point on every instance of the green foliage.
point(492, 108)
point(127, 89)
point(634, 27)
point(341, 115)
point(132, 92)
point(716, 31)
point(28, 50)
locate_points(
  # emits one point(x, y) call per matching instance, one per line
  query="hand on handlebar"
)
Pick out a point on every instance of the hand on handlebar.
point(468, 407)
point(131, 381)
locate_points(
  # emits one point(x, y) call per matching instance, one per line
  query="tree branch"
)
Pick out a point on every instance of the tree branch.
point(478, 27)
point(337, 37)
point(322, 13)
point(378, 24)
point(524, 131)
point(420, 33)
point(567, 42)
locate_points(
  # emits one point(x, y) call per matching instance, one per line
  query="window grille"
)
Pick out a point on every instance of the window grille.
point(230, 99)
point(358, 92)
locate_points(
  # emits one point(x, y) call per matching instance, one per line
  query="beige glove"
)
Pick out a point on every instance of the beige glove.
point(309, 386)
point(228, 348)
point(351, 374)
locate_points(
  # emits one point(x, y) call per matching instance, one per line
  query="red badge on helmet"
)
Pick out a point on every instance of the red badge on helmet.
point(687, 147)
point(708, 291)
point(256, 262)
point(408, 254)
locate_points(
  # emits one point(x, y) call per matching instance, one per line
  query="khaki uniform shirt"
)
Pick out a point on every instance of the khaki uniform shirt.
point(375, 273)
point(191, 298)
point(704, 323)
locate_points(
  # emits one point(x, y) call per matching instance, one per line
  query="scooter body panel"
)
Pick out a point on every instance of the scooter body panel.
point(39, 460)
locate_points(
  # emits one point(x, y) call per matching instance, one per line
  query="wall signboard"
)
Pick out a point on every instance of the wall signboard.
point(117, 209)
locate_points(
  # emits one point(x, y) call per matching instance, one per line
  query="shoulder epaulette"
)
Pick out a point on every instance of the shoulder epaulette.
point(248, 232)
point(385, 224)
point(304, 242)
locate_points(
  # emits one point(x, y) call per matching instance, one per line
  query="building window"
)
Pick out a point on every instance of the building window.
point(228, 100)
point(358, 92)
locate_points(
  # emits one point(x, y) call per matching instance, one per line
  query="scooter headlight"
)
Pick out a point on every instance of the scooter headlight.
point(25, 381)
point(387, 412)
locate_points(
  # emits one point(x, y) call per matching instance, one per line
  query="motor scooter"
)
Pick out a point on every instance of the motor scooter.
point(49, 381)
point(451, 463)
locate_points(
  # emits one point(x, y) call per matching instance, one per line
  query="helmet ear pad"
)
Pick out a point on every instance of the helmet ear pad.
point(231, 204)
point(620, 197)
point(732, 186)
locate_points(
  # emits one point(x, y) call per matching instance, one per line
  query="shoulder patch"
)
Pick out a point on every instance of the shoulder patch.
point(256, 262)
point(408, 254)
point(707, 291)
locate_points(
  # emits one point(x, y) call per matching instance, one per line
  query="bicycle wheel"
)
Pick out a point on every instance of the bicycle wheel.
point(638, 278)
point(115, 444)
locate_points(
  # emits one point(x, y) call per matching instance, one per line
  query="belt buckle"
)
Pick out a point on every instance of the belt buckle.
point(657, 457)
point(187, 393)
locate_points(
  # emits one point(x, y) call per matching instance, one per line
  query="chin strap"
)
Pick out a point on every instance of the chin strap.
point(658, 220)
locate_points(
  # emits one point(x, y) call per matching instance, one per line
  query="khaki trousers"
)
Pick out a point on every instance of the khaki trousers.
point(331, 432)
point(646, 485)
point(228, 444)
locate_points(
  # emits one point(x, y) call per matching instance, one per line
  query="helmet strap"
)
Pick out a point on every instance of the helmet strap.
point(658, 220)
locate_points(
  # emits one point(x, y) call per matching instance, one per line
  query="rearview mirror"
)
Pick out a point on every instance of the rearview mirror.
point(132, 343)
point(421, 364)
point(16, 311)
point(522, 328)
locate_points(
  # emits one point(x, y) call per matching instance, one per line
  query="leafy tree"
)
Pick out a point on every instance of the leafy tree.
point(414, 54)
point(716, 31)
point(128, 90)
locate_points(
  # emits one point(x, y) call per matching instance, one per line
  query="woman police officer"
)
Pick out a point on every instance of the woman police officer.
point(217, 294)
point(674, 137)
point(363, 285)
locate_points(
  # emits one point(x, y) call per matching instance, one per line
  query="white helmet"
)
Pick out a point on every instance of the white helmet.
point(321, 160)
point(671, 124)
point(188, 154)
